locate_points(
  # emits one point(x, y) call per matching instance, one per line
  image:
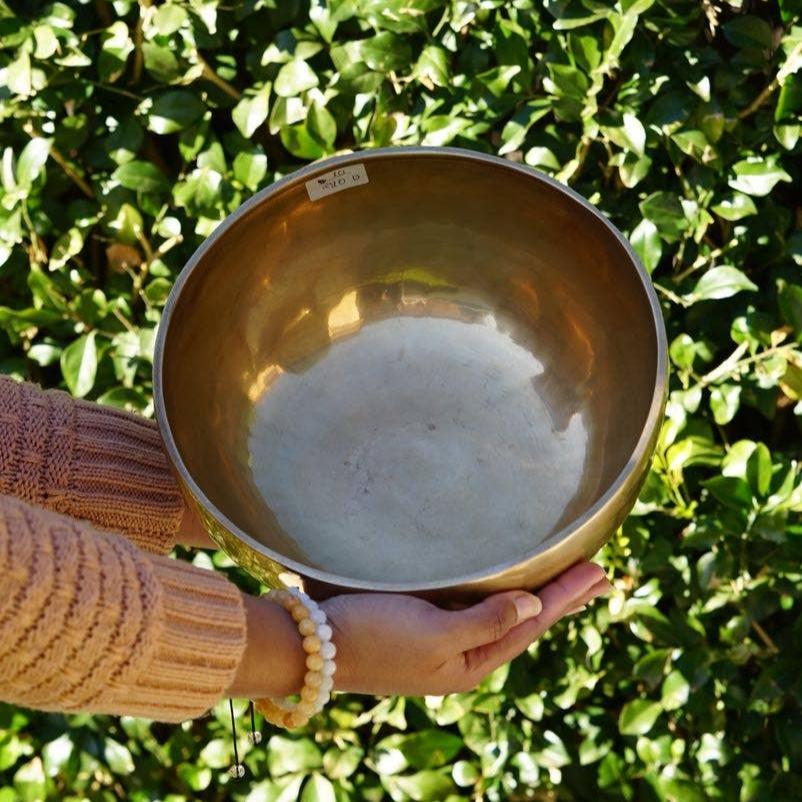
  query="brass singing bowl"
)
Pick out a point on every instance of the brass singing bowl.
point(443, 375)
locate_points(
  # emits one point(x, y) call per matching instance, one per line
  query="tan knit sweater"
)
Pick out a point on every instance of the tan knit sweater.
point(88, 620)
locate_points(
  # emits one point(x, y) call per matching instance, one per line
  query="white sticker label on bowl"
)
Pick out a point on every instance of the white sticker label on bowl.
point(342, 178)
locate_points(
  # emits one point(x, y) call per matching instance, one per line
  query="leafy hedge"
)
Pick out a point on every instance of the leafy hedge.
point(129, 130)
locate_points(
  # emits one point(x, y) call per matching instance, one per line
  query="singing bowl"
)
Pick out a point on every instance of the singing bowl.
point(421, 370)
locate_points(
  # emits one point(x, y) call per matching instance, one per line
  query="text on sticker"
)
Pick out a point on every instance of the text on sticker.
point(335, 180)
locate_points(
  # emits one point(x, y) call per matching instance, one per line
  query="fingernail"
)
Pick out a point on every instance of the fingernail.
point(528, 606)
point(577, 609)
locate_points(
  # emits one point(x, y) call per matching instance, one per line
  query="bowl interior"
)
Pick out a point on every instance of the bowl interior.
point(413, 379)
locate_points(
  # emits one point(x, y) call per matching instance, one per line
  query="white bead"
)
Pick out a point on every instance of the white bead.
point(329, 667)
point(324, 632)
point(322, 700)
point(328, 650)
point(318, 616)
point(294, 592)
point(327, 684)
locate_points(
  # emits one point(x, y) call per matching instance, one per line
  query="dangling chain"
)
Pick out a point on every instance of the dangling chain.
point(237, 771)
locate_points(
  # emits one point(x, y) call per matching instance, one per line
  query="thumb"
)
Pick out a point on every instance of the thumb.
point(492, 618)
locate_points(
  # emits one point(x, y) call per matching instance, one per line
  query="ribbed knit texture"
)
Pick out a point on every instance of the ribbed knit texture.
point(88, 622)
point(87, 461)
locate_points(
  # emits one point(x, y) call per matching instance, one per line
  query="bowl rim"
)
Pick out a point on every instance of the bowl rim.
point(622, 482)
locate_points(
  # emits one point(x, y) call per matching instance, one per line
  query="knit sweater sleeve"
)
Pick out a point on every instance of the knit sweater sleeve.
point(88, 622)
point(88, 461)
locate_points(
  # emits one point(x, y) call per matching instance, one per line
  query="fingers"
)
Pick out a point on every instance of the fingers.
point(575, 587)
point(599, 589)
point(491, 619)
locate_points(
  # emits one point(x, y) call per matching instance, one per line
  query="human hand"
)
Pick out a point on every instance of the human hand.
point(391, 644)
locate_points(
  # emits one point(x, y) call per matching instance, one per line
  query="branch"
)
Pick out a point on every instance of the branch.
point(764, 636)
point(767, 92)
point(64, 164)
point(138, 56)
point(210, 75)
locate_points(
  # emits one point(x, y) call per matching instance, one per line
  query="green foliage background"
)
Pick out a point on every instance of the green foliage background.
point(129, 130)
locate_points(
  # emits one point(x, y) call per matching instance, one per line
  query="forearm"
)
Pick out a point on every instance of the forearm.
point(90, 462)
point(273, 661)
point(90, 623)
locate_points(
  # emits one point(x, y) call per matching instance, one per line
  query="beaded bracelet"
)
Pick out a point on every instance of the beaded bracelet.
point(320, 652)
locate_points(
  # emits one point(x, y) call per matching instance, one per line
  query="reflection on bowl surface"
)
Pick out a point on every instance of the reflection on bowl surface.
point(436, 414)
point(449, 373)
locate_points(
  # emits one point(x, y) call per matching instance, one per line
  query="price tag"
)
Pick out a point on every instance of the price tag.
point(335, 180)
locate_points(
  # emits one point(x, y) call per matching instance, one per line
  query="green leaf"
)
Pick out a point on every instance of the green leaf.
point(12, 748)
point(675, 691)
point(430, 749)
point(250, 169)
point(56, 754)
point(730, 491)
point(465, 774)
point(32, 160)
point(79, 364)
point(749, 31)
point(665, 211)
point(724, 402)
point(19, 78)
point(116, 46)
point(118, 757)
point(141, 176)
point(735, 461)
point(720, 282)
point(44, 354)
point(156, 291)
point(298, 140)
point(67, 245)
point(318, 789)
point(757, 177)
point(386, 51)
point(174, 111)
point(293, 78)
point(287, 755)
point(425, 786)
point(161, 62)
point(252, 111)
point(759, 469)
point(432, 66)
point(29, 782)
point(651, 667)
point(791, 46)
point(341, 763)
point(735, 207)
point(645, 240)
point(169, 18)
point(631, 135)
point(124, 398)
point(321, 125)
point(400, 16)
point(196, 777)
point(638, 717)
point(541, 157)
point(442, 129)
point(46, 42)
